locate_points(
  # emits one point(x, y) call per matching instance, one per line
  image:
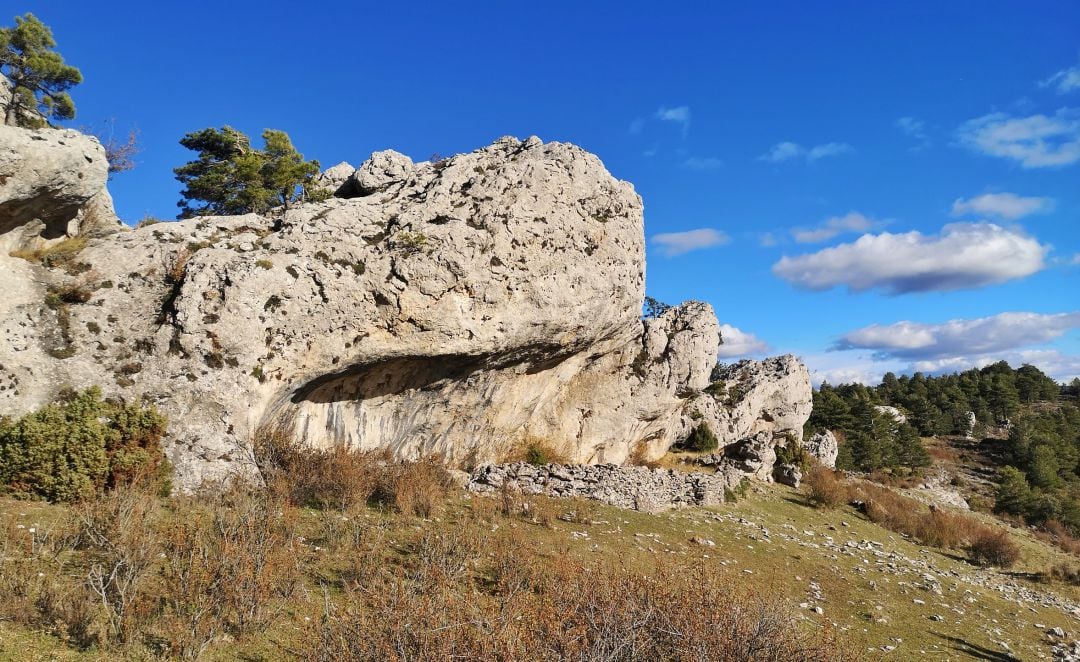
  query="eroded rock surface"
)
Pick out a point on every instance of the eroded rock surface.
point(745, 398)
point(50, 180)
point(467, 307)
point(824, 447)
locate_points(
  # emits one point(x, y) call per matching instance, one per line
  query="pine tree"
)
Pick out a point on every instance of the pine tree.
point(231, 177)
point(1014, 494)
point(38, 75)
point(286, 172)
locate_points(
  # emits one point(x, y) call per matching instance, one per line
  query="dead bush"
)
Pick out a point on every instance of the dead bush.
point(825, 489)
point(1065, 572)
point(564, 609)
point(638, 457)
point(991, 547)
point(232, 563)
point(1056, 533)
point(116, 534)
point(339, 477)
point(414, 488)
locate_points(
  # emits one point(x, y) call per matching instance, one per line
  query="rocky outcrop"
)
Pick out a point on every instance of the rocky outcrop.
point(968, 429)
point(824, 447)
point(467, 307)
point(52, 185)
point(891, 412)
point(333, 179)
point(772, 396)
point(636, 488)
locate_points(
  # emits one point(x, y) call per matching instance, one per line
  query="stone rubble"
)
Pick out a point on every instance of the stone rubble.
point(622, 486)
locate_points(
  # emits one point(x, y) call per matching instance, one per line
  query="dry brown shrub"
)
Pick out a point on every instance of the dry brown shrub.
point(1056, 533)
point(176, 266)
point(825, 489)
point(986, 545)
point(638, 457)
point(232, 563)
point(338, 477)
point(414, 488)
point(560, 609)
point(115, 533)
point(943, 454)
point(1065, 572)
point(991, 547)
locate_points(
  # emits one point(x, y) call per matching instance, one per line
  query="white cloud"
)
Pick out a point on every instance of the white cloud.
point(703, 163)
point(964, 255)
point(768, 239)
point(671, 244)
point(1036, 141)
point(1008, 206)
point(739, 343)
point(845, 368)
point(828, 149)
point(789, 151)
point(959, 337)
point(679, 114)
point(1065, 80)
point(831, 227)
point(1075, 260)
point(913, 127)
point(1062, 367)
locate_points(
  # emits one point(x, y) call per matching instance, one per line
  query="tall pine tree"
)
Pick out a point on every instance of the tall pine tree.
point(38, 76)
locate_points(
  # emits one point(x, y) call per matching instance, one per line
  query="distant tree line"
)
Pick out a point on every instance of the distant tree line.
point(1039, 463)
point(871, 439)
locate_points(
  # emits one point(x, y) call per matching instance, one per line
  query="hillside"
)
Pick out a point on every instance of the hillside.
point(872, 592)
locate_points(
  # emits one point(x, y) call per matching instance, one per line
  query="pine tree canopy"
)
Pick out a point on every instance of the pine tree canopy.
point(38, 76)
point(230, 177)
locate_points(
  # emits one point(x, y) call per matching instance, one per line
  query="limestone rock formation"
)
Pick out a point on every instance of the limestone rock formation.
point(468, 307)
point(333, 178)
point(824, 447)
point(772, 395)
point(51, 181)
point(891, 412)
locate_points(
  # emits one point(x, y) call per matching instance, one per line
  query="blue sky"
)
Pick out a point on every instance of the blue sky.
point(765, 130)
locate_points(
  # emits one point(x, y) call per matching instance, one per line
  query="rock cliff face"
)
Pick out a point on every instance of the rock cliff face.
point(749, 397)
point(51, 181)
point(467, 307)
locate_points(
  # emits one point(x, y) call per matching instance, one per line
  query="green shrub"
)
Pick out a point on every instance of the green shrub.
point(702, 439)
point(793, 453)
point(74, 449)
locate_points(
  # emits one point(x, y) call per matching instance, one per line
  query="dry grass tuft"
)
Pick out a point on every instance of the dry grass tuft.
point(54, 255)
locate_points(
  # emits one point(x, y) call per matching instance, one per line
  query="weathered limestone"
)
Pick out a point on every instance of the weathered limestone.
point(772, 395)
point(636, 488)
point(50, 181)
point(466, 307)
point(333, 178)
point(824, 447)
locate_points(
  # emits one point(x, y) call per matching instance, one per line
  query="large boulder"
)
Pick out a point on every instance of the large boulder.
point(772, 395)
point(333, 179)
point(824, 447)
point(379, 172)
point(475, 306)
point(52, 184)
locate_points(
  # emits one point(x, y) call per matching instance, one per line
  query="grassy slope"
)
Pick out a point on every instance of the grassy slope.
point(770, 541)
